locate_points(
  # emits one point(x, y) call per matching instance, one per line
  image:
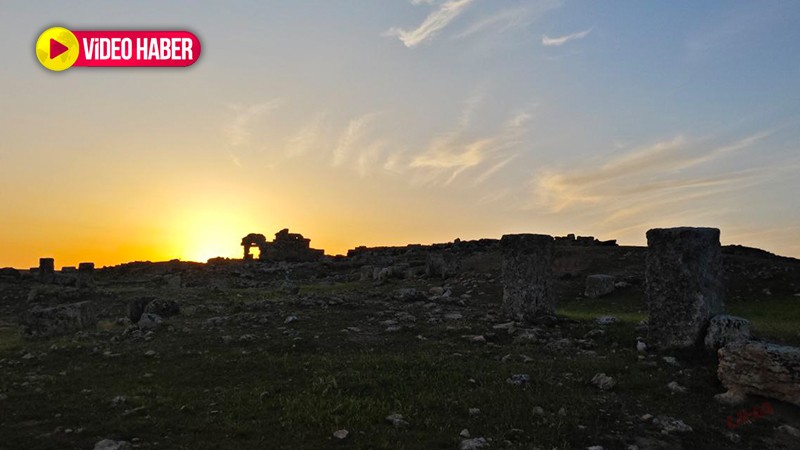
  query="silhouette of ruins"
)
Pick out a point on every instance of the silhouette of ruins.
point(286, 247)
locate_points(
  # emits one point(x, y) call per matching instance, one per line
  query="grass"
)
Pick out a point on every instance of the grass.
point(292, 385)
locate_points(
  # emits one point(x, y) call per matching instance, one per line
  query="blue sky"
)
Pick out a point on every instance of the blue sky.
point(389, 122)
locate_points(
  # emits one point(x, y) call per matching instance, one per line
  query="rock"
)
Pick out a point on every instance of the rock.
point(149, 321)
point(606, 320)
point(474, 444)
point(453, 316)
point(731, 398)
point(724, 329)
point(287, 287)
point(410, 295)
point(595, 447)
point(599, 285)
point(683, 284)
point(436, 291)
point(366, 273)
point(290, 319)
point(136, 307)
point(340, 434)
point(61, 319)
point(518, 379)
point(163, 308)
point(761, 368)
point(603, 381)
point(474, 411)
point(670, 424)
point(397, 420)
point(790, 430)
point(538, 411)
point(676, 388)
point(641, 347)
point(108, 444)
point(527, 276)
point(464, 433)
point(442, 264)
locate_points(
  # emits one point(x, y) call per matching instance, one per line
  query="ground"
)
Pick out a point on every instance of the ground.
point(260, 368)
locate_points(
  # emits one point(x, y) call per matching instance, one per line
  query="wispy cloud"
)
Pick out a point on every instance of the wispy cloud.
point(510, 18)
point(307, 137)
point(657, 170)
point(352, 138)
point(561, 40)
point(435, 22)
point(452, 153)
point(238, 130)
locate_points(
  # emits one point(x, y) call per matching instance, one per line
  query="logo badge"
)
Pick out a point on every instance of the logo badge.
point(57, 49)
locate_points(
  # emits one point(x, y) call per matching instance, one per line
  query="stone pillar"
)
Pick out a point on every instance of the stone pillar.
point(684, 285)
point(85, 274)
point(527, 276)
point(47, 269)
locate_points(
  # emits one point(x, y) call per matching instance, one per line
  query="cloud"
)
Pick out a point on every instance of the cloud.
point(238, 131)
point(351, 137)
point(435, 22)
point(641, 176)
point(557, 41)
point(307, 138)
point(455, 152)
point(508, 19)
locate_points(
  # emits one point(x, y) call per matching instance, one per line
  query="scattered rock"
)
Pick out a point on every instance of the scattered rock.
point(163, 308)
point(518, 379)
point(61, 319)
point(340, 434)
point(606, 320)
point(670, 424)
point(149, 321)
point(474, 444)
point(290, 319)
point(790, 430)
point(676, 388)
point(108, 444)
point(603, 381)
point(599, 285)
point(397, 420)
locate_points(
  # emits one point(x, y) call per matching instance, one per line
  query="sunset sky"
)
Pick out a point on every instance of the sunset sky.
point(396, 122)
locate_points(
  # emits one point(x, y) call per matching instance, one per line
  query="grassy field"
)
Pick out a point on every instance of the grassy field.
point(254, 381)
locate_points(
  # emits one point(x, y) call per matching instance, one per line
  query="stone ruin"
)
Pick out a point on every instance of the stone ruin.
point(47, 270)
point(527, 276)
point(286, 247)
point(684, 285)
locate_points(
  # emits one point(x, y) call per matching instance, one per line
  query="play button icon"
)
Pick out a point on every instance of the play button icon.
point(56, 48)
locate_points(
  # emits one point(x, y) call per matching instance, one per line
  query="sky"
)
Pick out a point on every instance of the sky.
point(403, 121)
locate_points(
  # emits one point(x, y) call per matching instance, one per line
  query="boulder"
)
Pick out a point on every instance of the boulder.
point(760, 368)
point(108, 444)
point(149, 321)
point(724, 329)
point(442, 264)
point(136, 307)
point(163, 308)
point(599, 285)
point(61, 319)
point(684, 285)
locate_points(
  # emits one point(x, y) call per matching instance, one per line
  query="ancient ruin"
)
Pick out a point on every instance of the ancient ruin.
point(684, 284)
point(527, 276)
point(286, 247)
point(46, 270)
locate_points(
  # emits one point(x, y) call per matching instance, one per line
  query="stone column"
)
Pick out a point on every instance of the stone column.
point(47, 269)
point(85, 274)
point(527, 276)
point(684, 284)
